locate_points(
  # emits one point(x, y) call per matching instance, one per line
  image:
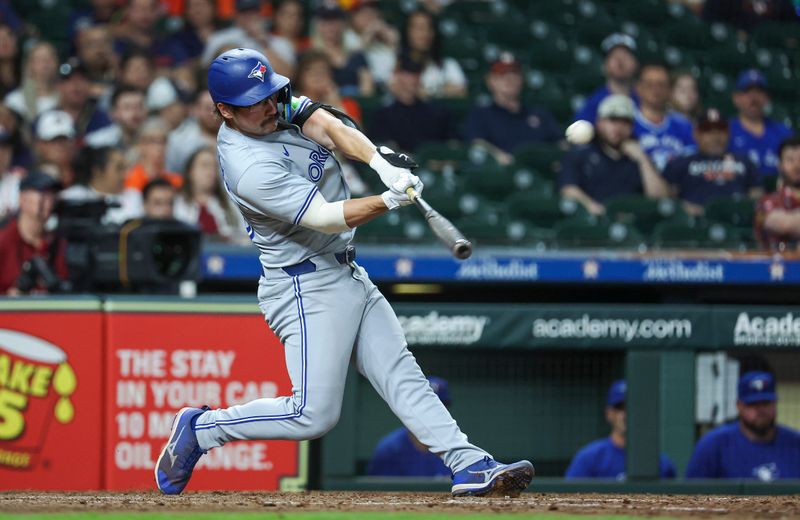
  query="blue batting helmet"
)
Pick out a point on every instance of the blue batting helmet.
point(243, 77)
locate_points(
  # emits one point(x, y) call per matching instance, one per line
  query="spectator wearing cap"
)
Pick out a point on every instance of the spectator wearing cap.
point(754, 446)
point(408, 121)
point(100, 12)
point(777, 218)
point(37, 93)
point(74, 98)
point(350, 68)
point(197, 131)
point(612, 164)
point(54, 143)
point(250, 30)
point(369, 33)
point(663, 134)
point(400, 454)
point(151, 147)
point(752, 133)
point(101, 173)
point(619, 68)
point(442, 76)
point(127, 113)
point(507, 123)
point(711, 172)
point(605, 458)
point(164, 100)
point(25, 237)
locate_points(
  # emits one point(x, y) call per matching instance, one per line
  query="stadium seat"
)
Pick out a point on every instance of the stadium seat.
point(730, 59)
point(543, 157)
point(777, 35)
point(578, 233)
point(640, 212)
point(652, 13)
point(487, 228)
point(700, 234)
point(544, 212)
point(736, 212)
point(386, 229)
point(435, 155)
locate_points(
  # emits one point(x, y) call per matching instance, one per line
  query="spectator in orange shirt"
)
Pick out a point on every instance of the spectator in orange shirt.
point(152, 146)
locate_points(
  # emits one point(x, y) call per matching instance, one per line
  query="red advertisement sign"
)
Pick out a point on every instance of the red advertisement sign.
point(159, 363)
point(50, 399)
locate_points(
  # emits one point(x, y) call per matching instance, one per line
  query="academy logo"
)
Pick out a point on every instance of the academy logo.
point(434, 329)
point(587, 327)
point(258, 72)
point(767, 331)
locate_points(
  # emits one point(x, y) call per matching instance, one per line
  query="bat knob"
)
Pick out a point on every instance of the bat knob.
point(462, 249)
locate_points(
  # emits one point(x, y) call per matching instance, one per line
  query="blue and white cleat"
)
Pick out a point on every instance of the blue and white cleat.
point(180, 454)
point(489, 478)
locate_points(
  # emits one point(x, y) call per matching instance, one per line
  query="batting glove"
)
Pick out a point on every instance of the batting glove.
point(391, 165)
point(396, 195)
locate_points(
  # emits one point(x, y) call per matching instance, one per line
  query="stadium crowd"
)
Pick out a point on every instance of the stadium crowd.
point(108, 99)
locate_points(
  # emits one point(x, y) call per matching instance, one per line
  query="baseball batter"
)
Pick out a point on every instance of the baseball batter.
point(276, 160)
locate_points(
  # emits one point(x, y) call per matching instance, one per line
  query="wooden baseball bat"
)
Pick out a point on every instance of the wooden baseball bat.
point(445, 231)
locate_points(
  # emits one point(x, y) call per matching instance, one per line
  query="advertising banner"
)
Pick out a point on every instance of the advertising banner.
point(554, 326)
point(180, 355)
point(50, 394)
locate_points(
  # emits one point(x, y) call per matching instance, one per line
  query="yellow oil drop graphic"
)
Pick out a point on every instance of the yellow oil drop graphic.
point(64, 380)
point(64, 383)
point(65, 412)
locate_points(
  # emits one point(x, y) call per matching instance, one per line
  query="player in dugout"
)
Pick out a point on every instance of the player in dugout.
point(276, 160)
point(754, 446)
point(401, 454)
point(605, 458)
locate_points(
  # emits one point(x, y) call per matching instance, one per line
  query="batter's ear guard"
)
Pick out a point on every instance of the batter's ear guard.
point(400, 160)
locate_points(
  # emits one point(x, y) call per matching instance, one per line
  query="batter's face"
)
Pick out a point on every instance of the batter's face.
point(789, 166)
point(758, 417)
point(256, 120)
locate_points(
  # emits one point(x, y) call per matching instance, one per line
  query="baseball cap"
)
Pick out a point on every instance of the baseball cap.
point(616, 106)
point(39, 181)
point(751, 78)
point(757, 386)
point(441, 388)
point(71, 67)
point(247, 5)
point(615, 40)
point(617, 392)
point(505, 62)
point(711, 119)
point(160, 94)
point(53, 124)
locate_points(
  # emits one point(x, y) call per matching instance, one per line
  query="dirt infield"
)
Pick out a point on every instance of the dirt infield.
point(589, 504)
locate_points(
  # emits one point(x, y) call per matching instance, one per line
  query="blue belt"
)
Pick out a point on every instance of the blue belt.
point(346, 257)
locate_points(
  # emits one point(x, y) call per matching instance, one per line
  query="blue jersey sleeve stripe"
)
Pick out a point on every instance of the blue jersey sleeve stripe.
point(305, 205)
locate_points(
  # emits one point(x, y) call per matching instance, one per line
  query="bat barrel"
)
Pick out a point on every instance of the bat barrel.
point(462, 249)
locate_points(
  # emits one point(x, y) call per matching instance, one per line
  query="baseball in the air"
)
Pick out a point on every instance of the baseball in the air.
point(580, 132)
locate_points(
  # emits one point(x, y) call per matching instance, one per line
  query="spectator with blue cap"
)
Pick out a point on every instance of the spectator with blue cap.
point(754, 446)
point(400, 454)
point(605, 458)
point(752, 133)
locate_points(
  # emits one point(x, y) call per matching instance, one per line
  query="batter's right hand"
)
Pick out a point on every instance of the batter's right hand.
point(396, 196)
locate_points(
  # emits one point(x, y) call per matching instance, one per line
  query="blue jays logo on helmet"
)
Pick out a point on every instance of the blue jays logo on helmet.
point(258, 72)
point(230, 74)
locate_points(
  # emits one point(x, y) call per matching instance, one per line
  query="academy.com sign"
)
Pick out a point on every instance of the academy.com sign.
point(767, 331)
point(586, 327)
point(436, 329)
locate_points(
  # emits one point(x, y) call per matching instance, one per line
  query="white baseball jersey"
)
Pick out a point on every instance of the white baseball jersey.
point(272, 180)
